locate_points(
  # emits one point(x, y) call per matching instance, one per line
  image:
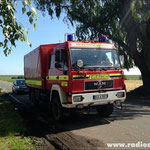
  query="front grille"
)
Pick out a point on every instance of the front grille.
point(101, 84)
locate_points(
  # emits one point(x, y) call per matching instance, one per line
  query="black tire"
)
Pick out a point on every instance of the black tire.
point(33, 99)
point(56, 108)
point(16, 92)
point(105, 110)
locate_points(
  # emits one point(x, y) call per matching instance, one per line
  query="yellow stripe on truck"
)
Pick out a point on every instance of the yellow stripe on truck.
point(63, 77)
point(76, 77)
point(33, 82)
point(115, 75)
point(51, 78)
point(88, 76)
point(97, 76)
point(64, 83)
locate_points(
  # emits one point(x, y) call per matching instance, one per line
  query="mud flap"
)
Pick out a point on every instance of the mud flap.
point(118, 105)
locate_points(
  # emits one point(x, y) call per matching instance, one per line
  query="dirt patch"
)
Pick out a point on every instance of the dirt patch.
point(67, 141)
point(48, 135)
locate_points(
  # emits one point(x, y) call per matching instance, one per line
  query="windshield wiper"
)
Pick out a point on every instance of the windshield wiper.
point(77, 68)
point(102, 68)
point(109, 68)
point(94, 68)
point(116, 68)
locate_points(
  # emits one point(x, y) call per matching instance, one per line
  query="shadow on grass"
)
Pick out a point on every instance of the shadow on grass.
point(42, 128)
point(140, 92)
point(39, 121)
point(10, 122)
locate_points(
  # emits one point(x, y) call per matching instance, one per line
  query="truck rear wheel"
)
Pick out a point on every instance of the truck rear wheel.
point(33, 99)
point(57, 110)
point(105, 110)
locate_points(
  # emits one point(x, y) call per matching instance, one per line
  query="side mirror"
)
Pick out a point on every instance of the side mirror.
point(57, 65)
point(80, 63)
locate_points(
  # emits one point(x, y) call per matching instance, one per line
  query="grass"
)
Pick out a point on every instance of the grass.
point(133, 84)
point(10, 78)
point(12, 129)
point(133, 77)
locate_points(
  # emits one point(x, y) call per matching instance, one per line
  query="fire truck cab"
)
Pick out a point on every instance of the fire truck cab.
point(76, 75)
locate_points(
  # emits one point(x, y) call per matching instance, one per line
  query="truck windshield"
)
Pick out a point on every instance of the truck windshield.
point(95, 58)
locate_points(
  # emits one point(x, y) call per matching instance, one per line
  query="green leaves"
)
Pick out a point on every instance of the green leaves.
point(1, 44)
point(13, 30)
point(29, 13)
point(34, 26)
point(125, 21)
point(31, 20)
point(23, 10)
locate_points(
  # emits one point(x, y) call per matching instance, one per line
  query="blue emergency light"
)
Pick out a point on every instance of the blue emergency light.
point(70, 37)
point(103, 38)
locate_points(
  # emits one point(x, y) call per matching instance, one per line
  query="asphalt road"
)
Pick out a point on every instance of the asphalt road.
point(130, 125)
point(6, 86)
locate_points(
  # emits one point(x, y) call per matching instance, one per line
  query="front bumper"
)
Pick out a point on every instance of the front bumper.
point(102, 98)
point(22, 90)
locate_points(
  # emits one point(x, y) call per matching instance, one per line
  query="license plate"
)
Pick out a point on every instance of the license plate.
point(102, 96)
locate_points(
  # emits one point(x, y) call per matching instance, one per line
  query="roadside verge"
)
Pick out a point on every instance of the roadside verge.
point(12, 129)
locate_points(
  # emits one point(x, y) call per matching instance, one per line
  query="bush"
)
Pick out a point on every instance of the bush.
point(20, 77)
point(17, 77)
point(133, 77)
point(140, 77)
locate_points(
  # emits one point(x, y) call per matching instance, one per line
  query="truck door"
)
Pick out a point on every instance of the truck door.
point(61, 65)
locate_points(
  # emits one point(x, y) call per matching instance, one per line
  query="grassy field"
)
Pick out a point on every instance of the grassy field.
point(132, 77)
point(10, 78)
point(133, 84)
point(12, 129)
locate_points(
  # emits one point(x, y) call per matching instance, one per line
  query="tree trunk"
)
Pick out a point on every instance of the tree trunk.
point(145, 72)
point(133, 32)
point(146, 78)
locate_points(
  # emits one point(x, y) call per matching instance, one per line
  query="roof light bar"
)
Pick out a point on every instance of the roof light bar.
point(70, 36)
point(103, 38)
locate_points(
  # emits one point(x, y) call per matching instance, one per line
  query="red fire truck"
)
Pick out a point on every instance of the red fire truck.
point(75, 75)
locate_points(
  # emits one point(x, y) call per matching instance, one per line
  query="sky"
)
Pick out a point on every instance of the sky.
point(47, 32)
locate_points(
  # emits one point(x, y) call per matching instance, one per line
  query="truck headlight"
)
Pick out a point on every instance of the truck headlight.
point(78, 98)
point(120, 94)
point(17, 87)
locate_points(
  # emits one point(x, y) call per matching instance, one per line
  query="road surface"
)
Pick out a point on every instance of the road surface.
point(130, 125)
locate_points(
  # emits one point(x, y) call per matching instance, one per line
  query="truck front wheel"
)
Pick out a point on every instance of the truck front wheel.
point(105, 110)
point(57, 110)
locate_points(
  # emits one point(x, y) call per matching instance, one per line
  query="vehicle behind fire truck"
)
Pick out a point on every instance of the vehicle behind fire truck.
point(74, 75)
